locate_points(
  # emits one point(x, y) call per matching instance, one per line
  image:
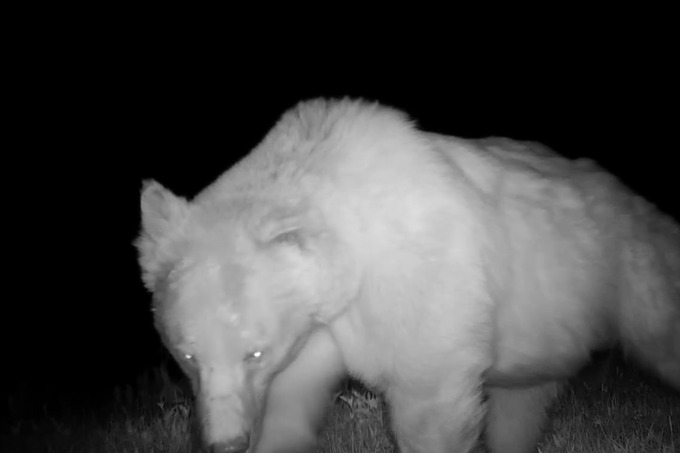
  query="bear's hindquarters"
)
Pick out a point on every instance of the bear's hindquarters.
point(649, 302)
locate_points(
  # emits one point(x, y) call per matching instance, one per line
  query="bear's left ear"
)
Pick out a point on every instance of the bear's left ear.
point(162, 215)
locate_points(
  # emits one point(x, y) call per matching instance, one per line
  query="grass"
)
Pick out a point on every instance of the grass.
point(624, 412)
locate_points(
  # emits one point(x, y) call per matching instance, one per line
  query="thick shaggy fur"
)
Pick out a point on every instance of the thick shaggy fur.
point(430, 267)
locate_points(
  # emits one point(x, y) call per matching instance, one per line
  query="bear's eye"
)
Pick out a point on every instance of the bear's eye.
point(293, 238)
point(253, 356)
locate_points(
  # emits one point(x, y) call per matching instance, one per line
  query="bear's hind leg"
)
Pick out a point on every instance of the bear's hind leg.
point(659, 353)
point(649, 305)
point(299, 397)
point(516, 417)
point(650, 333)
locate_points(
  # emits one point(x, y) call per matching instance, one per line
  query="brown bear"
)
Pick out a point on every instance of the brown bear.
point(432, 268)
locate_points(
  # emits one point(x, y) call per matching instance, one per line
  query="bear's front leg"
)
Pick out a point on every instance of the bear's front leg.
point(516, 417)
point(436, 418)
point(299, 397)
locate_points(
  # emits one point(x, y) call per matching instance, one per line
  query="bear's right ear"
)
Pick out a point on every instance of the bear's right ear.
point(162, 211)
point(162, 216)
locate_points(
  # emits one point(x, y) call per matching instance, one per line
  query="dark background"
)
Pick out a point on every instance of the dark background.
point(90, 119)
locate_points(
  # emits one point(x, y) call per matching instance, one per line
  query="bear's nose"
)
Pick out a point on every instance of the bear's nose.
point(238, 445)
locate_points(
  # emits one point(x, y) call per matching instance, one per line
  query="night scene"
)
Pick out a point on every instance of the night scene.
point(268, 261)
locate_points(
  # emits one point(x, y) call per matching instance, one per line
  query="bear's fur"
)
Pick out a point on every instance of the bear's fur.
point(430, 267)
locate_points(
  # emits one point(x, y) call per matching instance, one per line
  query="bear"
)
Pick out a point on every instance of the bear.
point(465, 279)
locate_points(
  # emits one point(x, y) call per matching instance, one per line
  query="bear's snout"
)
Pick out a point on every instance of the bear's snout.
point(238, 445)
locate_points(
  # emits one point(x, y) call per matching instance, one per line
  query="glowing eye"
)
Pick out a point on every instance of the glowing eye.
point(255, 355)
point(188, 356)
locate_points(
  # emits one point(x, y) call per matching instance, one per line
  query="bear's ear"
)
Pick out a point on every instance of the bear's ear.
point(162, 211)
point(162, 216)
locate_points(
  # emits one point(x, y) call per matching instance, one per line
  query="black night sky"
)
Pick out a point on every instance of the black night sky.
point(90, 122)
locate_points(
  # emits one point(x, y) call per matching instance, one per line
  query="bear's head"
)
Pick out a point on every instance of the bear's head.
point(238, 285)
